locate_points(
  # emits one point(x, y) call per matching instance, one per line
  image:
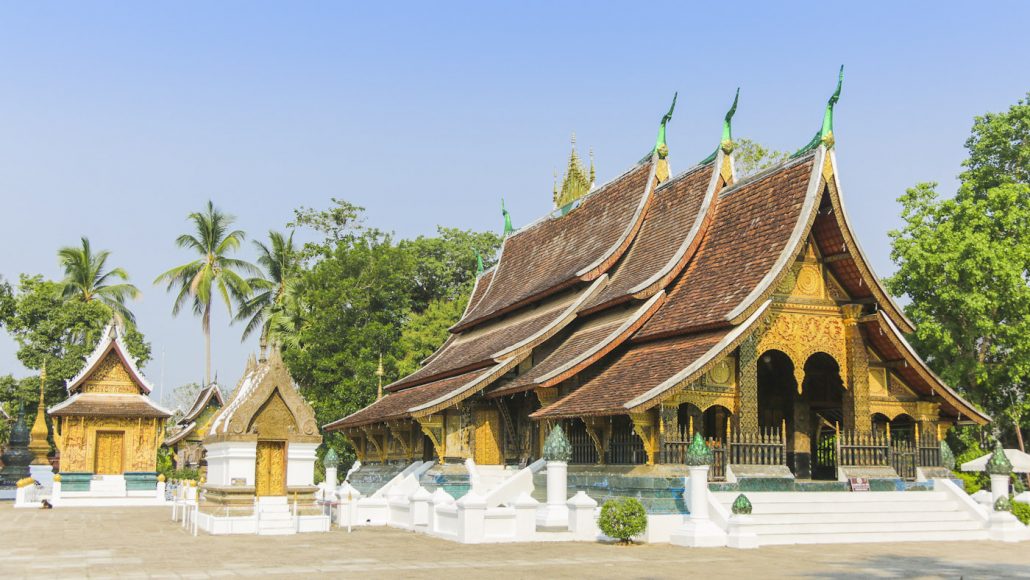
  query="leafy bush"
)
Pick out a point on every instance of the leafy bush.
point(622, 519)
point(974, 482)
point(1021, 511)
point(180, 474)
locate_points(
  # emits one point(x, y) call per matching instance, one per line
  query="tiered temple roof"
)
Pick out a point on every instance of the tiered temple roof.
point(643, 286)
point(187, 425)
point(110, 384)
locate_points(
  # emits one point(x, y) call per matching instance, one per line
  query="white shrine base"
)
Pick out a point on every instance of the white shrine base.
point(508, 513)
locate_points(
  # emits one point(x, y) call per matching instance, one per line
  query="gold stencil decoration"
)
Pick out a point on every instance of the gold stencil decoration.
point(800, 336)
point(723, 373)
point(110, 376)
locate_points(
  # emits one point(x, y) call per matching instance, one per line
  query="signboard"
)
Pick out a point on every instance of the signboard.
point(239, 481)
point(859, 484)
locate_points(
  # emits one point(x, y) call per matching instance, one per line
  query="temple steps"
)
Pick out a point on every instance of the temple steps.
point(276, 517)
point(850, 517)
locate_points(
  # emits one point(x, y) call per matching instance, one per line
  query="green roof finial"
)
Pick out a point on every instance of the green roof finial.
point(331, 459)
point(660, 142)
point(508, 229)
point(557, 446)
point(479, 264)
point(726, 143)
point(742, 506)
point(825, 134)
point(698, 453)
point(999, 463)
point(727, 125)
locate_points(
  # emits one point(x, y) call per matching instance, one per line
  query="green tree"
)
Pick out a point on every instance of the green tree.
point(356, 299)
point(964, 262)
point(267, 308)
point(750, 157)
point(62, 333)
point(87, 278)
point(445, 265)
point(215, 271)
point(424, 332)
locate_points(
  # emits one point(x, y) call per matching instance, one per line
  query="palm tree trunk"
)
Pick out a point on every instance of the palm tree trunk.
point(207, 344)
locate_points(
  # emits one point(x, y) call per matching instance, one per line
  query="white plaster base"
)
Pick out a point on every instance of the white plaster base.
point(698, 533)
point(1005, 527)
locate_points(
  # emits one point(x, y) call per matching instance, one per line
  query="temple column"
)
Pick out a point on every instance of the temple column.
point(668, 427)
point(856, 398)
point(747, 393)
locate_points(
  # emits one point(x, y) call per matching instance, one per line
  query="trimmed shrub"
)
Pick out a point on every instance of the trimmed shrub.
point(1021, 511)
point(622, 519)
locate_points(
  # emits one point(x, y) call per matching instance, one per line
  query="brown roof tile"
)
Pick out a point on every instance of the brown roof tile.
point(752, 225)
point(552, 253)
point(476, 348)
point(669, 219)
point(396, 405)
point(108, 405)
point(630, 374)
point(887, 341)
point(575, 345)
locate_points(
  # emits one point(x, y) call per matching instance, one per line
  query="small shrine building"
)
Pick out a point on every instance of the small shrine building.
point(657, 306)
point(108, 430)
point(186, 442)
point(261, 445)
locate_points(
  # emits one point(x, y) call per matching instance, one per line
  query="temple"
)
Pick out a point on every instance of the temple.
point(665, 305)
point(260, 450)
point(186, 442)
point(108, 430)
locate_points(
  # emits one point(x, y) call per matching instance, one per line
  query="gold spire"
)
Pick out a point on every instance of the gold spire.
point(577, 180)
point(380, 373)
point(38, 435)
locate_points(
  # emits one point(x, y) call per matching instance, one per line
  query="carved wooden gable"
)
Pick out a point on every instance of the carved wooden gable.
point(273, 409)
point(110, 376)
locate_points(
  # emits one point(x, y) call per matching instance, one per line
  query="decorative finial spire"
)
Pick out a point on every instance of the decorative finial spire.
point(479, 264)
point(727, 126)
point(508, 229)
point(380, 373)
point(661, 148)
point(825, 134)
point(592, 172)
point(38, 434)
point(661, 128)
point(726, 143)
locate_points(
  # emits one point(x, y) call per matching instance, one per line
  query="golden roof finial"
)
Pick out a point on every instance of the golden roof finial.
point(379, 373)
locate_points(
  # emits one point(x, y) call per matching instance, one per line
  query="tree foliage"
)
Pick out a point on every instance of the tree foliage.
point(622, 519)
point(214, 273)
point(62, 333)
point(268, 306)
point(965, 262)
point(87, 278)
point(360, 294)
point(750, 157)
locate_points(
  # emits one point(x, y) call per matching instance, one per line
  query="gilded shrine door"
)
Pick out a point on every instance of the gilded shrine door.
point(488, 437)
point(108, 450)
point(270, 468)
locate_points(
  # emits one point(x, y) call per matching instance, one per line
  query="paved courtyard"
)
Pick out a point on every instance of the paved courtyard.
point(143, 542)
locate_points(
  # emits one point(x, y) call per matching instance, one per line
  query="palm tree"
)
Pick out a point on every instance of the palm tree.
point(213, 272)
point(86, 278)
point(268, 309)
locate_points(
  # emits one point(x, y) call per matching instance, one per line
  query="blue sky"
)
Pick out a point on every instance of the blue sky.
point(118, 119)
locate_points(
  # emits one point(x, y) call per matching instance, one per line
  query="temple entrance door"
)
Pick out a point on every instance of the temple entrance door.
point(488, 440)
point(823, 399)
point(109, 447)
point(270, 468)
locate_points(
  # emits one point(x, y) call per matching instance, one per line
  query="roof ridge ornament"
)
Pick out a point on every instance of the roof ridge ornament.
point(479, 264)
point(661, 146)
point(726, 142)
point(508, 229)
point(825, 134)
